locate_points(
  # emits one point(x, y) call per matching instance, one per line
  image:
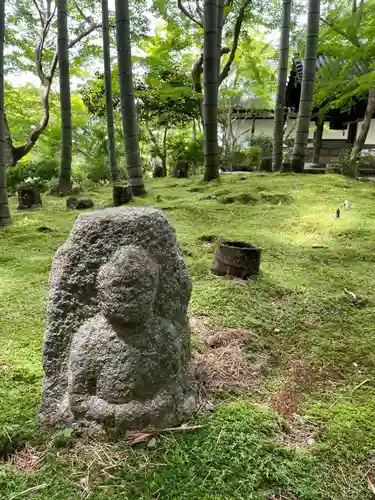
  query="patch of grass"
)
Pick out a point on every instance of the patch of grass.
point(296, 308)
point(208, 238)
point(247, 198)
point(239, 198)
point(276, 199)
point(12, 440)
point(197, 343)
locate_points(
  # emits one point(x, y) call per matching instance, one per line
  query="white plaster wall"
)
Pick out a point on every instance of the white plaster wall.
point(265, 126)
point(371, 133)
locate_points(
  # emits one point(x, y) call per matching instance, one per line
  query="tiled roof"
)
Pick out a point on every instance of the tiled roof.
point(322, 61)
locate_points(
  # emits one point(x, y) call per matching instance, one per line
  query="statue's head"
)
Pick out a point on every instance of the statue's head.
point(127, 286)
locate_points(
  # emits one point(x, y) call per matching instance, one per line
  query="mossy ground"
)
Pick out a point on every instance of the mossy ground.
point(320, 343)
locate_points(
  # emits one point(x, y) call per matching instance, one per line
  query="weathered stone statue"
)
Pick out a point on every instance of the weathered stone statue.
point(118, 342)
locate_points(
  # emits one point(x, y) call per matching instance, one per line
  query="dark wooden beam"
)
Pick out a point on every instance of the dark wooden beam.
point(318, 140)
point(352, 132)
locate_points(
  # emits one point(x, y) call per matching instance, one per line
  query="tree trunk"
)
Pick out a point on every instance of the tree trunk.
point(219, 18)
point(318, 140)
point(277, 154)
point(160, 151)
point(10, 160)
point(290, 132)
point(128, 111)
point(65, 183)
point(114, 170)
point(308, 80)
point(362, 136)
point(236, 36)
point(210, 75)
point(4, 207)
point(28, 198)
point(219, 36)
point(121, 195)
point(252, 131)
point(164, 154)
point(180, 169)
point(196, 73)
point(286, 120)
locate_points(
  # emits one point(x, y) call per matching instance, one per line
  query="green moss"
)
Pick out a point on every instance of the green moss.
point(296, 309)
point(276, 199)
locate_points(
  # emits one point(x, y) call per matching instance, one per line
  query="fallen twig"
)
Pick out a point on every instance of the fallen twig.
point(351, 294)
point(370, 483)
point(350, 393)
point(143, 437)
point(183, 428)
point(357, 300)
point(30, 490)
point(359, 385)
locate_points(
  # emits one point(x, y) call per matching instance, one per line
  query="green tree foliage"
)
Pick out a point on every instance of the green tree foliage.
point(42, 162)
point(235, 21)
point(164, 94)
point(250, 88)
point(31, 36)
point(90, 148)
point(163, 87)
point(167, 103)
point(239, 17)
point(347, 40)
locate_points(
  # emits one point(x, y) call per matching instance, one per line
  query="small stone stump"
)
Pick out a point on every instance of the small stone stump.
point(314, 168)
point(334, 168)
point(286, 167)
point(121, 195)
point(266, 164)
point(180, 170)
point(29, 198)
point(117, 345)
point(236, 258)
point(76, 204)
point(158, 170)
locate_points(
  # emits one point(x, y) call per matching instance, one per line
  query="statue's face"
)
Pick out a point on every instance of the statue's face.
point(127, 286)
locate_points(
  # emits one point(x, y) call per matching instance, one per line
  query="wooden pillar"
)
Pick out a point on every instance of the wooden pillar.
point(352, 132)
point(318, 140)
